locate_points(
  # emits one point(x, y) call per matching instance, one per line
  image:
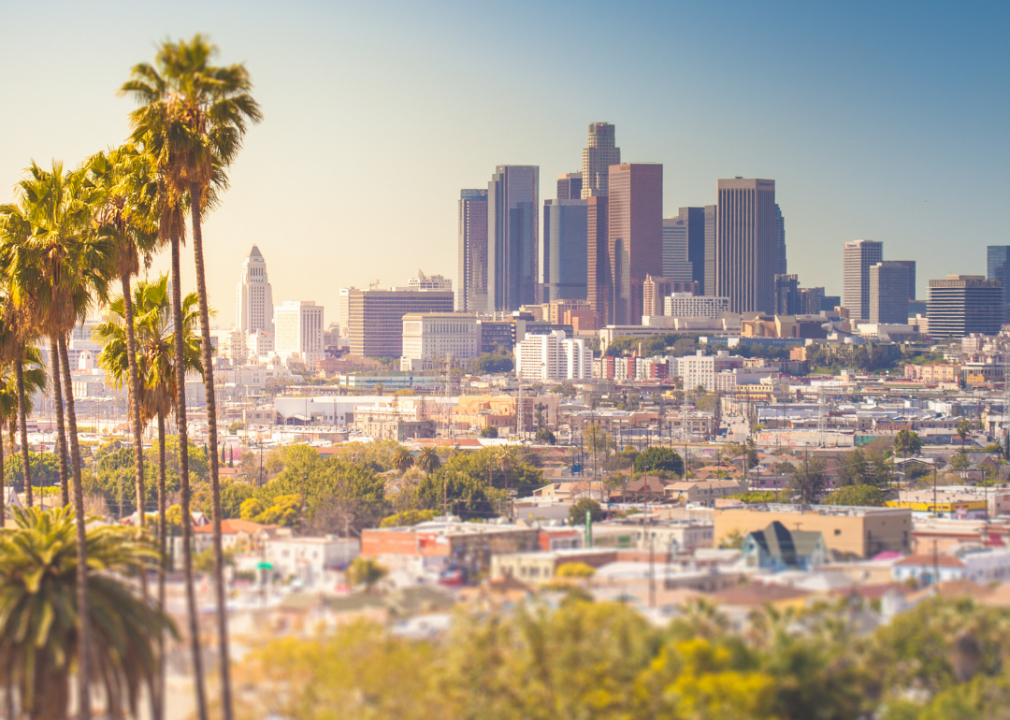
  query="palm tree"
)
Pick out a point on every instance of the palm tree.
point(207, 109)
point(403, 460)
point(428, 460)
point(125, 215)
point(962, 430)
point(155, 342)
point(56, 274)
point(40, 611)
point(18, 331)
point(33, 380)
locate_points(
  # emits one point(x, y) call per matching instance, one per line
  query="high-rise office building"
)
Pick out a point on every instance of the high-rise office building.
point(255, 307)
point(997, 260)
point(781, 265)
point(960, 305)
point(597, 158)
point(811, 301)
point(570, 186)
point(634, 235)
point(472, 257)
point(787, 295)
point(375, 317)
point(676, 266)
point(564, 261)
point(299, 331)
point(745, 244)
point(858, 257)
point(909, 265)
point(656, 289)
point(598, 260)
point(513, 236)
point(708, 261)
point(889, 293)
point(343, 310)
point(694, 221)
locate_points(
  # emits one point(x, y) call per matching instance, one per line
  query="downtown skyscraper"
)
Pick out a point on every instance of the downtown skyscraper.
point(513, 234)
point(255, 302)
point(471, 293)
point(634, 235)
point(746, 233)
point(858, 257)
point(564, 244)
point(597, 157)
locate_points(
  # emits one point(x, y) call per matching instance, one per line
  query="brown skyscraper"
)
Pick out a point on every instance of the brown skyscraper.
point(598, 266)
point(746, 234)
point(634, 235)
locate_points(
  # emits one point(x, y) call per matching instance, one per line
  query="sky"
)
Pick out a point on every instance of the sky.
point(888, 121)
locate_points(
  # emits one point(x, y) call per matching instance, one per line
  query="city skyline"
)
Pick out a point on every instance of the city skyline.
point(852, 121)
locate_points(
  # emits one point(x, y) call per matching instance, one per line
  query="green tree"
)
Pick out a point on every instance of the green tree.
point(809, 480)
point(40, 611)
point(428, 460)
point(546, 436)
point(657, 458)
point(408, 517)
point(403, 460)
point(858, 495)
point(577, 513)
point(576, 571)
point(367, 572)
point(907, 443)
point(493, 363)
point(960, 461)
point(489, 432)
point(963, 429)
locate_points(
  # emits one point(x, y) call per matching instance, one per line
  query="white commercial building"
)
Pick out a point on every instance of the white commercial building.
point(553, 357)
point(299, 331)
point(255, 309)
point(310, 559)
point(427, 282)
point(700, 370)
point(260, 343)
point(431, 339)
point(690, 306)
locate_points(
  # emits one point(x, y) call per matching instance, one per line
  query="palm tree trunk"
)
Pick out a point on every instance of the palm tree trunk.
point(26, 462)
point(215, 487)
point(138, 438)
point(83, 644)
point(3, 487)
point(61, 433)
point(187, 518)
point(159, 706)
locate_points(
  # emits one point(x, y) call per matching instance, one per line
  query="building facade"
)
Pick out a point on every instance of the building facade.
point(255, 306)
point(471, 281)
point(781, 263)
point(597, 157)
point(655, 290)
point(299, 331)
point(858, 257)
point(513, 237)
point(787, 295)
point(909, 265)
point(676, 264)
point(570, 186)
point(889, 293)
point(634, 235)
point(553, 357)
point(375, 322)
point(598, 260)
point(686, 305)
point(430, 340)
point(960, 305)
point(746, 234)
point(565, 241)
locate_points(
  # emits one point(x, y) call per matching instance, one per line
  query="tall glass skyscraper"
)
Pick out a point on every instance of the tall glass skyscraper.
point(513, 235)
point(565, 244)
point(597, 157)
point(997, 259)
point(472, 261)
point(858, 257)
point(634, 235)
point(746, 236)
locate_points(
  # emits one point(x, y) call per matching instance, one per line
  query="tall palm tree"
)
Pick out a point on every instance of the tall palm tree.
point(34, 380)
point(428, 460)
point(40, 611)
point(57, 273)
point(403, 460)
point(208, 109)
point(126, 216)
point(155, 342)
point(18, 331)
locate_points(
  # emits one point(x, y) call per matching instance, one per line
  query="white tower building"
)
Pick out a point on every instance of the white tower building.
point(300, 331)
point(255, 300)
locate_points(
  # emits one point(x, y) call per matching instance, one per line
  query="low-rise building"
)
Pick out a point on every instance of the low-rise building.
point(431, 340)
point(777, 548)
point(973, 563)
point(309, 559)
point(543, 566)
point(703, 492)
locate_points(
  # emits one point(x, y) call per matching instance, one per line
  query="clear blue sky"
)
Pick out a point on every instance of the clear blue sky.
point(881, 120)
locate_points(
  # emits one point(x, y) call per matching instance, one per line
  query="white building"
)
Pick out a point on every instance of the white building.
point(253, 377)
point(255, 306)
point(232, 345)
point(260, 343)
point(428, 282)
point(431, 338)
point(299, 331)
point(553, 357)
point(701, 370)
point(310, 559)
point(688, 305)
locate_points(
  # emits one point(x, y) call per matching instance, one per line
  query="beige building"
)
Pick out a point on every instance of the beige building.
point(849, 532)
point(299, 331)
point(375, 317)
point(543, 566)
point(703, 492)
point(432, 339)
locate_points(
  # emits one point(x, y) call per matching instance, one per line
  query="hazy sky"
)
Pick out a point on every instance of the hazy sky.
point(882, 120)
